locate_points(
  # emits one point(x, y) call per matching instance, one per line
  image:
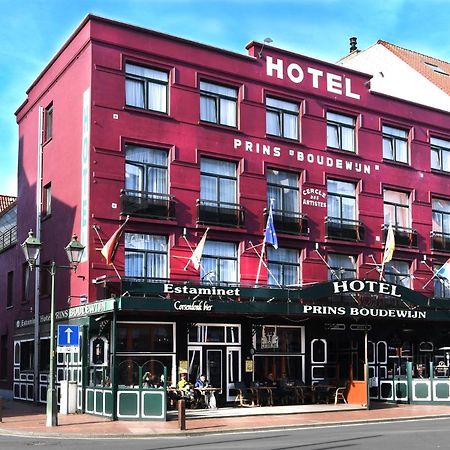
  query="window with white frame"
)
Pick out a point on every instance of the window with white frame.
point(218, 181)
point(441, 215)
point(219, 263)
point(396, 208)
point(395, 144)
point(146, 170)
point(218, 104)
point(441, 284)
point(283, 267)
point(145, 256)
point(440, 154)
point(47, 200)
point(341, 201)
point(340, 131)
point(282, 187)
point(146, 88)
point(341, 267)
point(281, 118)
point(398, 272)
point(48, 122)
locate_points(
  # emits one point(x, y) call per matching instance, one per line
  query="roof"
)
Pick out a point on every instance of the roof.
point(5, 202)
point(433, 69)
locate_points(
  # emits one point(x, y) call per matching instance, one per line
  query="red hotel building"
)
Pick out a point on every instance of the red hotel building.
point(186, 139)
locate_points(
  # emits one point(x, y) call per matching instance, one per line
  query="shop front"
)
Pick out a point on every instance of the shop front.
point(375, 340)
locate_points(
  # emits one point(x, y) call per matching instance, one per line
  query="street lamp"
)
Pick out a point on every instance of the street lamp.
point(74, 249)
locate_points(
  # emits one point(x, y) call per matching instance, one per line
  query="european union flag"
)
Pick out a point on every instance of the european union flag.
point(270, 235)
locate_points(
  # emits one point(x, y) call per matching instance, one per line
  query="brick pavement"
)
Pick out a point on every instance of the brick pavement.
point(26, 419)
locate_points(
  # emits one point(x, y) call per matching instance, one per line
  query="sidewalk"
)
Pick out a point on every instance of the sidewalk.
point(26, 419)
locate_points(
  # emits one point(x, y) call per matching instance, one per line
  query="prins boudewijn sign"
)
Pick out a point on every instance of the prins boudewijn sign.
point(318, 79)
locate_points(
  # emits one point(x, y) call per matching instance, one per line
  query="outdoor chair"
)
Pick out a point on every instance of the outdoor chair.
point(244, 395)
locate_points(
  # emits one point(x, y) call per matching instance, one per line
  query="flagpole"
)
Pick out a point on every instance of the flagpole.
point(265, 265)
point(389, 247)
point(101, 242)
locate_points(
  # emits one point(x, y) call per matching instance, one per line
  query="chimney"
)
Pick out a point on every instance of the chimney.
point(353, 46)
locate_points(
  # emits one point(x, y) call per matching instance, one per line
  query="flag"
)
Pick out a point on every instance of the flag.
point(109, 249)
point(197, 253)
point(270, 235)
point(389, 246)
point(444, 271)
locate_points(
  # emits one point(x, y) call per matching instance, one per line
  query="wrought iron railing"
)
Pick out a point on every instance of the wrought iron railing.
point(8, 238)
point(147, 204)
point(289, 221)
point(345, 229)
point(220, 213)
point(404, 237)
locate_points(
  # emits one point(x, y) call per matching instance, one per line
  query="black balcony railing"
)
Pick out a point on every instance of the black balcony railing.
point(8, 238)
point(220, 213)
point(404, 237)
point(289, 221)
point(440, 241)
point(147, 204)
point(345, 229)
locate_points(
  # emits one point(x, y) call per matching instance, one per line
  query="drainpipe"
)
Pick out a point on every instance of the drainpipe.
point(37, 278)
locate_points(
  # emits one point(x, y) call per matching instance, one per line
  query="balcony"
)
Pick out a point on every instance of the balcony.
point(345, 229)
point(147, 204)
point(220, 213)
point(8, 238)
point(440, 241)
point(289, 221)
point(404, 237)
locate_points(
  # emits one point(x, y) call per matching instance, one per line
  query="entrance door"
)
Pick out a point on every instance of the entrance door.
point(214, 372)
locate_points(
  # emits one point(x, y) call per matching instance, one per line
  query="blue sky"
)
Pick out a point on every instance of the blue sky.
point(32, 31)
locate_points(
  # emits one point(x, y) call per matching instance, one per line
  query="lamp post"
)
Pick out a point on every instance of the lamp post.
point(74, 250)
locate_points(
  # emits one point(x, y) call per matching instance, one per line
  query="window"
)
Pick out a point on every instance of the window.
point(47, 200)
point(146, 88)
point(441, 284)
point(218, 104)
point(3, 357)
point(341, 201)
point(48, 122)
point(9, 289)
point(146, 170)
point(26, 355)
point(281, 118)
point(341, 267)
point(396, 209)
point(283, 267)
point(219, 262)
point(440, 154)
point(395, 144)
point(26, 285)
point(340, 131)
point(282, 187)
point(441, 215)
point(45, 280)
point(44, 351)
point(397, 272)
point(145, 256)
point(218, 181)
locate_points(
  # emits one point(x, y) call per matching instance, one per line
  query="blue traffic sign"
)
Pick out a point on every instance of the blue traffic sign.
point(68, 335)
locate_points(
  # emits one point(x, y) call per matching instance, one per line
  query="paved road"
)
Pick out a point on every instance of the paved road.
point(418, 434)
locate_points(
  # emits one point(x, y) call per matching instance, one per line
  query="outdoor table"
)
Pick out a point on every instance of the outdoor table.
point(207, 393)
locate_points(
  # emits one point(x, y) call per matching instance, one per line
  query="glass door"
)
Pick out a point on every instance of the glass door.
point(233, 370)
point(214, 367)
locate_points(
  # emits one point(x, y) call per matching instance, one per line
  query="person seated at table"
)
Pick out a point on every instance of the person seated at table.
point(282, 391)
point(202, 382)
point(269, 380)
point(185, 387)
point(148, 380)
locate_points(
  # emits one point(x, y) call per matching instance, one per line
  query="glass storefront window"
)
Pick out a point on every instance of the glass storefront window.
point(277, 365)
point(145, 337)
point(279, 339)
point(214, 333)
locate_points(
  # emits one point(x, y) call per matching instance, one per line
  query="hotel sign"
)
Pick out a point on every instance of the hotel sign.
point(298, 74)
